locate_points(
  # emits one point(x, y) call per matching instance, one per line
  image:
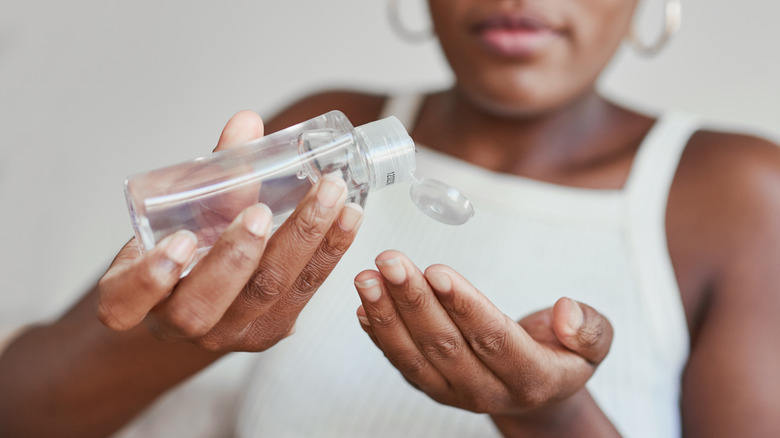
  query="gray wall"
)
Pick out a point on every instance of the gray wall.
point(92, 90)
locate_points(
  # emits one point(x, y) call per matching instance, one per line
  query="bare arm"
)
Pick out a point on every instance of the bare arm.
point(85, 379)
point(724, 234)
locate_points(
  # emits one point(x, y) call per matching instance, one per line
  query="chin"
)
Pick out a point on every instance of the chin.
point(514, 103)
point(523, 93)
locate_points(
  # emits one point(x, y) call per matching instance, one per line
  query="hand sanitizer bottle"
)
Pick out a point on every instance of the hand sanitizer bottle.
point(205, 194)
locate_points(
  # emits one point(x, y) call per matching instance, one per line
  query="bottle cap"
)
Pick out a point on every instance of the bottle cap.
point(390, 151)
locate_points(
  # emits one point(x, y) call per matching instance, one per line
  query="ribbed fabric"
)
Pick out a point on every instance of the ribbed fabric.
point(528, 244)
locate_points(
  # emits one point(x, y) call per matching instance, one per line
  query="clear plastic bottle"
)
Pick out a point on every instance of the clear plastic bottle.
point(205, 194)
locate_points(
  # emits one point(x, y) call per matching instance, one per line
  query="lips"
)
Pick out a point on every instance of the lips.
point(515, 36)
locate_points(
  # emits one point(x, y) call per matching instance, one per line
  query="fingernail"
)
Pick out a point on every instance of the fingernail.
point(330, 190)
point(576, 316)
point(363, 320)
point(369, 289)
point(257, 219)
point(350, 216)
point(180, 246)
point(440, 281)
point(392, 269)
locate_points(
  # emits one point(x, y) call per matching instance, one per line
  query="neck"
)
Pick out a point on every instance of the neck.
point(546, 146)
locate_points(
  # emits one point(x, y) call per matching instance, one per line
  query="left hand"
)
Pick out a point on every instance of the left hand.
point(449, 341)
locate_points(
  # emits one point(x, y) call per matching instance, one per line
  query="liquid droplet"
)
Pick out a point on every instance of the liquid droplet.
point(441, 202)
point(301, 174)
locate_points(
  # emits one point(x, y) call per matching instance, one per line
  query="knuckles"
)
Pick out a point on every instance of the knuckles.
point(410, 365)
point(462, 308)
point(108, 316)
point(309, 226)
point(310, 279)
point(595, 340)
point(442, 347)
point(384, 320)
point(264, 287)
point(492, 340)
point(239, 256)
point(149, 275)
point(590, 337)
point(332, 249)
point(190, 321)
point(413, 304)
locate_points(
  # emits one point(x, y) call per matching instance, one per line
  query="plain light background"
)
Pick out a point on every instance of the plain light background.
point(93, 90)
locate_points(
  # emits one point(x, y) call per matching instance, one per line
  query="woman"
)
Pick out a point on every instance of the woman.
point(664, 229)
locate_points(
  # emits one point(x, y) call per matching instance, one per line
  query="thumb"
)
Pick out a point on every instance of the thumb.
point(582, 329)
point(243, 127)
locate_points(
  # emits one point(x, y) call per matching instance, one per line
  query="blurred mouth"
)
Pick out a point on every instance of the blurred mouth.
point(515, 36)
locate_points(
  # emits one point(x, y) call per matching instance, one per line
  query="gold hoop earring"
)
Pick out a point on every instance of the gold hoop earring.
point(672, 22)
point(397, 24)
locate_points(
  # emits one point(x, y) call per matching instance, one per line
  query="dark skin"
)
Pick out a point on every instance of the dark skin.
point(722, 236)
point(537, 117)
point(141, 330)
point(710, 226)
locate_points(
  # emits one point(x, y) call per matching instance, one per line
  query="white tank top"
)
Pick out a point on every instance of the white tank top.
point(528, 244)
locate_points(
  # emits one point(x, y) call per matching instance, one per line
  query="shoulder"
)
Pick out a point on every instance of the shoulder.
point(719, 169)
point(359, 107)
point(723, 217)
point(728, 177)
point(739, 155)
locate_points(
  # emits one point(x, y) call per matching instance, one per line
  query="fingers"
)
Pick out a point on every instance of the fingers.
point(392, 335)
point(289, 251)
point(450, 341)
point(335, 244)
point(497, 340)
point(243, 127)
point(245, 294)
point(417, 334)
point(131, 287)
point(436, 335)
point(366, 326)
point(201, 299)
point(582, 329)
point(134, 285)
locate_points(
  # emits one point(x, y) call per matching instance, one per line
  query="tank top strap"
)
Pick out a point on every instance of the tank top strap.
point(405, 107)
point(646, 193)
point(658, 156)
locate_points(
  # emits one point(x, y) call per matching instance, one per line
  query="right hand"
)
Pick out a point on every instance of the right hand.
point(247, 292)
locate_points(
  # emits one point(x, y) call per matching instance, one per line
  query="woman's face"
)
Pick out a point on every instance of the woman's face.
point(525, 57)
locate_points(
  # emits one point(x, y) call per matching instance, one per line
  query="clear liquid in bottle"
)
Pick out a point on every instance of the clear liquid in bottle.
point(204, 195)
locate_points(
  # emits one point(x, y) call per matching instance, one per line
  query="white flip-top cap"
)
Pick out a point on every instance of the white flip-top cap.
point(390, 151)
